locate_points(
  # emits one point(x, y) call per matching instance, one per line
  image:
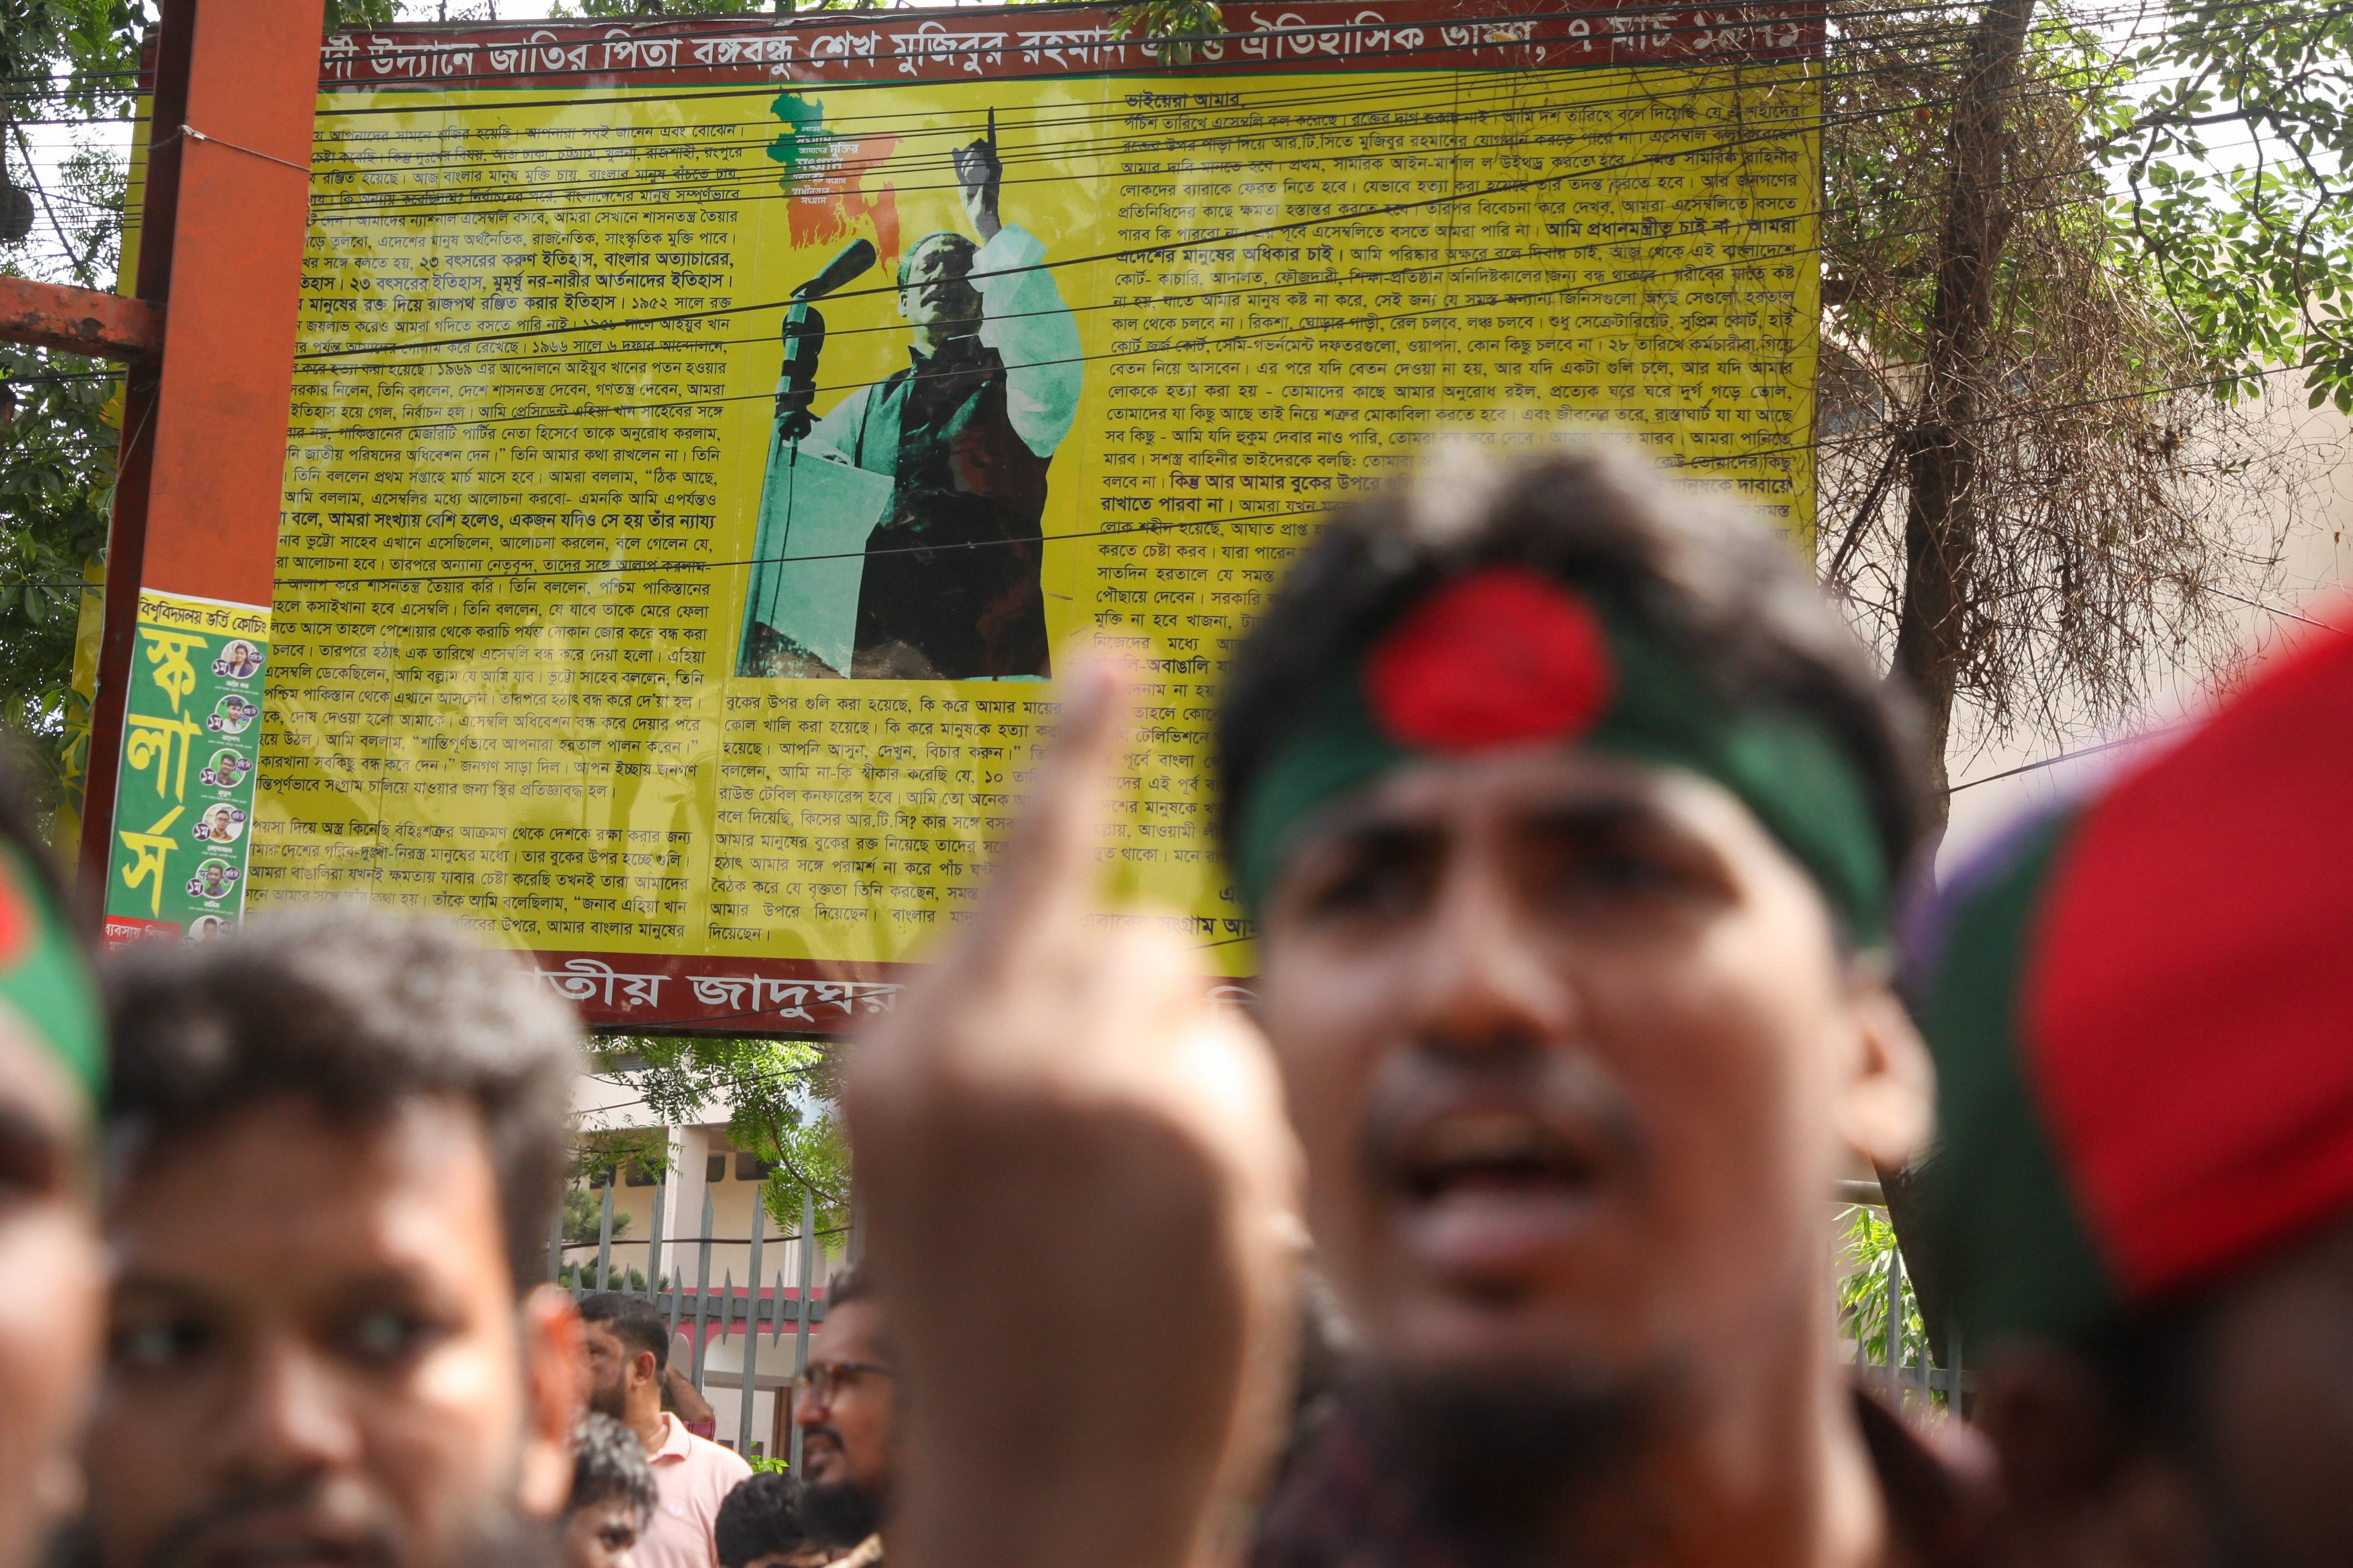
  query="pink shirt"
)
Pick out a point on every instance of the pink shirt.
point(693, 1476)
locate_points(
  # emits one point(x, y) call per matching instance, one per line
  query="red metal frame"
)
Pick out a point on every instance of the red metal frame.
point(78, 320)
point(202, 469)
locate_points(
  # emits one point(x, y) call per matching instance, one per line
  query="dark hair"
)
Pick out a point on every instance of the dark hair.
point(907, 258)
point(609, 1463)
point(851, 1284)
point(634, 1320)
point(356, 1012)
point(1727, 594)
point(760, 1517)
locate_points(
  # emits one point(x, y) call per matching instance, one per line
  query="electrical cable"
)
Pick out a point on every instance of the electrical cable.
point(1122, 254)
point(1168, 348)
point(1126, 254)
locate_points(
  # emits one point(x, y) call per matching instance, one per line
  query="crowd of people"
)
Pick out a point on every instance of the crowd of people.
point(1596, 943)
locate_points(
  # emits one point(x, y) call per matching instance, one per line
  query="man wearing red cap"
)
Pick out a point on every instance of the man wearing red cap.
point(2140, 1207)
point(1569, 814)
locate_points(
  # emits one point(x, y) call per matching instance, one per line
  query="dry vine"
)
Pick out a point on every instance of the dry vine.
point(2107, 520)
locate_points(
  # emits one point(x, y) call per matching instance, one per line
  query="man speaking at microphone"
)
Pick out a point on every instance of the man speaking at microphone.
point(950, 588)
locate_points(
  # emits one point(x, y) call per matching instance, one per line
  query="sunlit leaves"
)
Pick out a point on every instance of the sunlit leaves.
point(776, 1097)
point(57, 479)
point(2233, 161)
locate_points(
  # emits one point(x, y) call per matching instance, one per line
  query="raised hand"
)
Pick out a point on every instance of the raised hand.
point(979, 171)
point(1080, 1193)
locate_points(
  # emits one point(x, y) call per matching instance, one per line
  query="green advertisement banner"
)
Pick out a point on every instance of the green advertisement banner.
point(184, 803)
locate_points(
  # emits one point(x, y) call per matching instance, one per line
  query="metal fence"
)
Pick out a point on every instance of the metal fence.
point(702, 1310)
point(1883, 1361)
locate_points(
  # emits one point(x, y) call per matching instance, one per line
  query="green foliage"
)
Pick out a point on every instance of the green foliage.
point(2116, 503)
point(780, 1108)
point(584, 1215)
point(67, 60)
point(87, 48)
point(600, 1156)
point(56, 484)
point(582, 1276)
point(1887, 151)
point(57, 441)
point(1862, 1294)
point(1175, 27)
point(361, 16)
point(2252, 245)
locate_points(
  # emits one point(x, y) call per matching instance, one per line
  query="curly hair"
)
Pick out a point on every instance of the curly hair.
point(761, 1518)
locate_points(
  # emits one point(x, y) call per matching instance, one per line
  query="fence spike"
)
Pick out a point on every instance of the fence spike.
point(703, 1290)
point(604, 1237)
point(555, 1245)
point(1894, 1327)
point(654, 1240)
point(802, 1306)
point(750, 1385)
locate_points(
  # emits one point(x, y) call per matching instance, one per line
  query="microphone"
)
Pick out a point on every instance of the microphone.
point(854, 258)
point(804, 334)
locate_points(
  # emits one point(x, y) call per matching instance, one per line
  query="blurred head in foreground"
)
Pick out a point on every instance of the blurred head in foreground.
point(613, 1496)
point(845, 1405)
point(1569, 814)
point(52, 1069)
point(2139, 1211)
point(334, 1144)
point(759, 1526)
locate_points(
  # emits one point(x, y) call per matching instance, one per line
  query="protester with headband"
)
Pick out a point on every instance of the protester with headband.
point(1568, 813)
point(52, 1074)
point(2138, 1217)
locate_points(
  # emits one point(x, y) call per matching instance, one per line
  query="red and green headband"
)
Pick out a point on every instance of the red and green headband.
point(45, 983)
point(2145, 1076)
point(1504, 656)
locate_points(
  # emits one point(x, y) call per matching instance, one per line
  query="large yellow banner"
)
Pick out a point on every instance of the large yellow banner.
point(700, 641)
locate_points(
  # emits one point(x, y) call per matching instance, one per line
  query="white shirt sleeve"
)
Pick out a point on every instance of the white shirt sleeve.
point(1023, 318)
point(836, 435)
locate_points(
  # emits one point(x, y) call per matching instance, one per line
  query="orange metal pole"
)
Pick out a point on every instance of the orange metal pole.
point(78, 320)
point(204, 446)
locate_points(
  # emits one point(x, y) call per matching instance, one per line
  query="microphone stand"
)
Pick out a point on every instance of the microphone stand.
point(804, 334)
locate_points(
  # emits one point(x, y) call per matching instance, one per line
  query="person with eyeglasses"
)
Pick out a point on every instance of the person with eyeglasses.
point(845, 1405)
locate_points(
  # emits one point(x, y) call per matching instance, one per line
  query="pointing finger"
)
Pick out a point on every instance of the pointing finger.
point(1044, 876)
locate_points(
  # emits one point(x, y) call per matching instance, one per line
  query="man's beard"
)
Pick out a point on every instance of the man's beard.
point(1507, 1465)
point(839, 1513)
point(610, 1399)
point(497, 1536)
